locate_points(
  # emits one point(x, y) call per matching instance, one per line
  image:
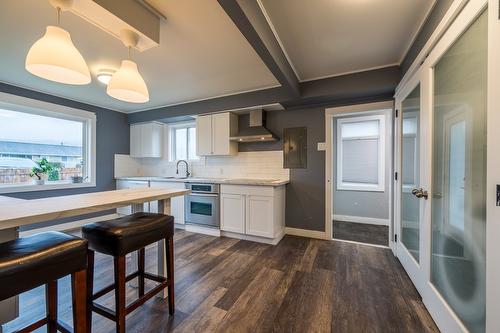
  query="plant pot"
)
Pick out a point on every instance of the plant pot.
point(38, 181)
point(77, 179)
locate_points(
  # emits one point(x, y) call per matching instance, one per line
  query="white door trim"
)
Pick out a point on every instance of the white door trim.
point(330, 114)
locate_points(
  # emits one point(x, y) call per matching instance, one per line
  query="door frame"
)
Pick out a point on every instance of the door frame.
point(354, 110)
point(410, 264)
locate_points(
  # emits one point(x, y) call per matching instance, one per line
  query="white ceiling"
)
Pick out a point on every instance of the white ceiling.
point(201, 54)
point(324, 38)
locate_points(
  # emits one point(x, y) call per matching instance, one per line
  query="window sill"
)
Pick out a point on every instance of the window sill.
point(46, 187)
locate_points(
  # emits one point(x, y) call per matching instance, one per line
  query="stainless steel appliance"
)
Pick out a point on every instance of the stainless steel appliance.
point(202, 205)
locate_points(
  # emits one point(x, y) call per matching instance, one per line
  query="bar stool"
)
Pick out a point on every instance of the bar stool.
point(117, 238)
point(29, 262)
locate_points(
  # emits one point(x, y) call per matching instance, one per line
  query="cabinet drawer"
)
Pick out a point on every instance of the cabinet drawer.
point(266, 191)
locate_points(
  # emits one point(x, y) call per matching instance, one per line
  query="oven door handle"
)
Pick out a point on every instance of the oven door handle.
point(203, 195)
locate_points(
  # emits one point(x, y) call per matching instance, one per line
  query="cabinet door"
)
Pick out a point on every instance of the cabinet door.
point(220, 135)
point(232, 213)
point(154, 140)
point(176, 204)
point(135, 140)
point(124, 184)
point(204, 136)
point(259, 217)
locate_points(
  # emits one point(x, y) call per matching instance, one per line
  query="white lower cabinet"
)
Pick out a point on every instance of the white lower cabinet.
point(232, 217)
point(259, 216)
point(123, 184)
point(253, 210)
point(176, 204)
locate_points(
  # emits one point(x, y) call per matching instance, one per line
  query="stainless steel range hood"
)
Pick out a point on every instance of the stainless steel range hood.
point(256, 130)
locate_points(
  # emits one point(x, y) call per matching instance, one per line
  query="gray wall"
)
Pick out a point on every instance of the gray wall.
point(432, 21)
point(364, 203)
point(112, 136)
point(305, 195)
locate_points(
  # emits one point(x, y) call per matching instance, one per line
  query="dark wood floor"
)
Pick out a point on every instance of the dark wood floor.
point(300, 285)
point(361, 232)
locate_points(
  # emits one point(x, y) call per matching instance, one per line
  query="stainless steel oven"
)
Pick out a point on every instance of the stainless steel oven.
point(202, 205)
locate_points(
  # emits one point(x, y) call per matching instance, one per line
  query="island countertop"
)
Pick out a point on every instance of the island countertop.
point(26, 212)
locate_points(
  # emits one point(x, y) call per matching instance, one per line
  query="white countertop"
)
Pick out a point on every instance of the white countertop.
point(53, 208)
point(229, 181)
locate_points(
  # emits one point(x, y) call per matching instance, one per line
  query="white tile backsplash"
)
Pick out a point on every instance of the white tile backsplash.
point(127, 166)
point(261, 165)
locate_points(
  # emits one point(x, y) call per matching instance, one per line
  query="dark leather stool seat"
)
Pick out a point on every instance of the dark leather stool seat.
point(28, 262)
point(127, 234)
point(117, 238)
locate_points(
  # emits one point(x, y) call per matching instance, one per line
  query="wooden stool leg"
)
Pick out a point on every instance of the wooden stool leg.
point(170, 273)
point(79, 294)
point(90, 287)
point(120, 293)
point(51, 305)
point(140, 267)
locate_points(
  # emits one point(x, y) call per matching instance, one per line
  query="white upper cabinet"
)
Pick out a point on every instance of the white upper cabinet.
point(204, 136)
point(146, 139)
point(213, 133)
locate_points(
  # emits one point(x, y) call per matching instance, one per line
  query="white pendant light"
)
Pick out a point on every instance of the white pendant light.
point(54, 56)
point(127, 84)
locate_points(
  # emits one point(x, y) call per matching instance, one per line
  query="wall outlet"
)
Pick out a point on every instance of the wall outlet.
point(321, 146)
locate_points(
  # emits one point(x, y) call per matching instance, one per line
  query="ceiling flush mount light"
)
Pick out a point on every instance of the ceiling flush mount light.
point(104, 75)
point(54, 57)
point(127, 84)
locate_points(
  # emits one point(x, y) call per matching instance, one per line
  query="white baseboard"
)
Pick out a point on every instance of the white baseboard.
point(307, 233)
point(361, 219)
point(69, 225)
point(257, 239)
point(202, 230)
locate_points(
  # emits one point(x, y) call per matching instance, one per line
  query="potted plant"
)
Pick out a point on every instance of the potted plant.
point(42, 168)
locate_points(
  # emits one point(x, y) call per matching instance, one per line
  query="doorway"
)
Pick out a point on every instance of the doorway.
point(359, 168)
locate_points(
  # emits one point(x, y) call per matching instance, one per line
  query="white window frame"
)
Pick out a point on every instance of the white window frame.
point(41, 108)
point(171, 140)
point(350, 186)
point(407, 188)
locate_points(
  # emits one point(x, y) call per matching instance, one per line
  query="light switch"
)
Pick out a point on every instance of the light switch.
point(321, 146)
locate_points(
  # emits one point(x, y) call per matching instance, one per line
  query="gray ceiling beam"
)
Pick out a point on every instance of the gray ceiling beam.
point(232, 102)
point(249, 19)
point(378, 83)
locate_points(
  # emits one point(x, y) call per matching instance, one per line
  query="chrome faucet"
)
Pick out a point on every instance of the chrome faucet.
point(187, 168)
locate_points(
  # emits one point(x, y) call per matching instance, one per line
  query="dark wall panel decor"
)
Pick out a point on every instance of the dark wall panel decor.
point(295, 148)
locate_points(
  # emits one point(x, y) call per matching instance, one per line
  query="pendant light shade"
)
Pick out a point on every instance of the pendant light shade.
point(127, 84)
point(54, 57)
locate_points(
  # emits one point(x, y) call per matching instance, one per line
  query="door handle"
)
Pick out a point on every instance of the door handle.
point(420, 193)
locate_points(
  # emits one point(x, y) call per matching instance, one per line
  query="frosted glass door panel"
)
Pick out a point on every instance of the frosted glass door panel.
point(459, 176)
point(410, 155)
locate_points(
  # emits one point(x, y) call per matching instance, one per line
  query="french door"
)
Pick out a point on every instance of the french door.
point(445, 197)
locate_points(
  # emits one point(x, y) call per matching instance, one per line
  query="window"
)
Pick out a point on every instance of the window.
point(410, 151)
point(182, 142)
point(33, 131)
point(361, 153)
